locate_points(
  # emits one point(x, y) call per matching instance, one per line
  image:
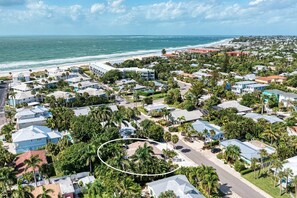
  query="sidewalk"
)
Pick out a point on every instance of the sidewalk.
point(197, 146)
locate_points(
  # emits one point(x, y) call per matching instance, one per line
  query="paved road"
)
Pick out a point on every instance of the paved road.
point(229, 182)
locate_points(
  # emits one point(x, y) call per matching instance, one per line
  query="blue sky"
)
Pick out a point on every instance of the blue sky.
point(158, 17)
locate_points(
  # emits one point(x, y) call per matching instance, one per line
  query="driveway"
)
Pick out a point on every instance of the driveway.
point(228, 181)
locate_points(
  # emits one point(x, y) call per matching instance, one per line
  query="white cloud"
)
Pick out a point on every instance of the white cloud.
point(256, 2)
point(97, 8)
point(116, 6)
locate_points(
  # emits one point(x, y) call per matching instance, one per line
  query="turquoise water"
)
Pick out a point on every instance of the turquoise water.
point(39, 51)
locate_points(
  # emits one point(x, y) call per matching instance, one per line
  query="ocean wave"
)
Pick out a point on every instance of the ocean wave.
point(85, 59)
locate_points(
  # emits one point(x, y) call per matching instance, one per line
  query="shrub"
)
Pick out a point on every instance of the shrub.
point(239, 166)
point(246, 171)
point(220, 155)
point(173, 129)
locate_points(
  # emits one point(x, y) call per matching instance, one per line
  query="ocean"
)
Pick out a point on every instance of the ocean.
point(29, 52)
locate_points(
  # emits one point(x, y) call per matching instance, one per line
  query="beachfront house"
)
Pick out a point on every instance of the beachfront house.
point(101, 68)
point(67, 96)
point(33, 116)
point(21, 77)
point(248, 150)
point(179, 184)
point(33, 138)
point(209, 131)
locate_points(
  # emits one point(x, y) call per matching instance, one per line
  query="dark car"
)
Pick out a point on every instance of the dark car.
point(215, 150)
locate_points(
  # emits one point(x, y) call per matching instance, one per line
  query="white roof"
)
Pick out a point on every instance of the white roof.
point(179, 184)
point(85, 84)
point(34, 132)
point(188, 115)
point(234, 104)
point(87, 180)
point(61, 94)
point(23, 95)
point(21, 87)
point(256, 116)
point(155, 107)
point(92, 91)
point(32, 111)
point(292, 164)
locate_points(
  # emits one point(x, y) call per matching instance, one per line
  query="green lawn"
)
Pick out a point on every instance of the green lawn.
point(158, 96)
point(266, 183)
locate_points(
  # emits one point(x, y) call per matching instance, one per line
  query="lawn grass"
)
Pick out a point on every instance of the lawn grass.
point(158, 96)
point(266, 183)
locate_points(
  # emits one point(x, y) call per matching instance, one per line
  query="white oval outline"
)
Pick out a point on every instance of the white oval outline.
point(127, 172)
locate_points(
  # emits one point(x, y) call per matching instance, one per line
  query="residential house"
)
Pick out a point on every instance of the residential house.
point(67, 96)
point(127, 130)
point(33, 138)
point(76, 80)
point(235, 104)
point(269, 118)
point(179, 184)
point(56, 190)
point(135, 145)
point(69, 185)
point(240, 86)
point(84, 85)
point(21, 167)
point(182, 116)
point(155, 107)
point(22, 76)
point(287, 98)
point(34, 116)
point(93, 92)
point(21, 98)
point(248, 150)
point(255, 87)
point(210, 131)
point(290, 163)
point(292, 131)
point(270, 79)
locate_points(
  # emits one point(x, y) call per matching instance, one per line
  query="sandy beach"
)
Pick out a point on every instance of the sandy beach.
point(116, 58)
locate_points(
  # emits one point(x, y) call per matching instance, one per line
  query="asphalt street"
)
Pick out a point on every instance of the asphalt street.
point(228, 181)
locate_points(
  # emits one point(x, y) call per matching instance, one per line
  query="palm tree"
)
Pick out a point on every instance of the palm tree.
point(174, 139)
point(281, 175)
point(232, 153)
point(209, 179)
point(128, 188)
point(91, 155)
point(45, 193)
point(22, 191)
point(294, 182)
point(288, 173)
point(34, 163)
point(167, 137)
point(96, 189)
point(277, 165)
point(263, 153)
point(7, 178)
point(254, 165)
point(271, 134)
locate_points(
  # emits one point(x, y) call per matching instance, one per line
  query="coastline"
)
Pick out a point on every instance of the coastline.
point(109, 57)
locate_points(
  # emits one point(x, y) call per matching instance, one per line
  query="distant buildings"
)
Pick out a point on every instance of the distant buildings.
point(179, 184)
point(33, 138)
point(33, 116)
point(255, 116)
point(247, 87)
point(101, 68)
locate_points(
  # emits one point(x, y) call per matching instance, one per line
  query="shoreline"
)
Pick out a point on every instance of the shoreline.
point(110, 57)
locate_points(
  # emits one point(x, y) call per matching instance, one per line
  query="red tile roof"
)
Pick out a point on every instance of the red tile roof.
point(19, 162)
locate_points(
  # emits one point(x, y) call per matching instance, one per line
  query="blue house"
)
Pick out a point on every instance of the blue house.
point(33, 138)
point(213, 131)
